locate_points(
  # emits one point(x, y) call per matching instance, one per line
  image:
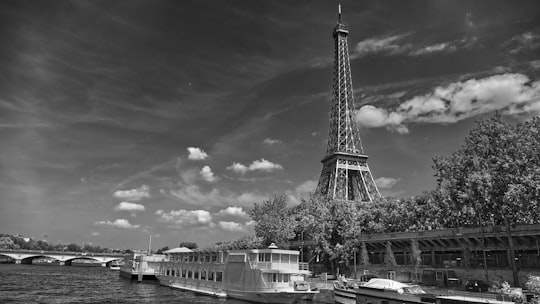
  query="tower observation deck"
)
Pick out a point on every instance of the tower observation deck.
point(345, 174)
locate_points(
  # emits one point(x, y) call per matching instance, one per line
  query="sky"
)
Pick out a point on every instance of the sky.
point(121, 120)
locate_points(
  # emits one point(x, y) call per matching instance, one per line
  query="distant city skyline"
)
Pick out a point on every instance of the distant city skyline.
point(124, 119)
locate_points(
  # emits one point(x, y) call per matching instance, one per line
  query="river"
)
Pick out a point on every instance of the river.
point(71, 284)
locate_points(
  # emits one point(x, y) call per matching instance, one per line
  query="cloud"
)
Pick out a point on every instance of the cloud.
point(95, 233)
point(256, 165)
point(185, 218)
point(230, 226)
point(234, 211)
point(208, 175)
point(270, 141)
point(196, 154)
point(134, 195)
point(238, 168)
point(380, 45)
point(386, 182)
point(527, 41)
point(512, 94)
point(434, 48)
point(193, 195)
point(127, 206)
point(301, 191)
point(118, 223)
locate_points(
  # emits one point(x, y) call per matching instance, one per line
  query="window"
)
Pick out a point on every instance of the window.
point(211, 275)
point(219, 276)
point(286, 277)
point(183, 273)
point(203, 275)
point(196, 274)
point(190, 274)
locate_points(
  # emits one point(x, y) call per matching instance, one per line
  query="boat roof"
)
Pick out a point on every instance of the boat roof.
point(385, 284)
point(178, 250)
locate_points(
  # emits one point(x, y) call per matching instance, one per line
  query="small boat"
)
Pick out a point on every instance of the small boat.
point(115, 265)
point(269, 275)
point(140, 267)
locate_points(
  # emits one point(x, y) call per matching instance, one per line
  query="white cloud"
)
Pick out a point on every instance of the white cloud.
point(256, 165)
point(208, 175)
point(134, 195)
point(301, 191)
point(385, 45)
point(127, 206)
point(196, 153)
point(234, 211)
point(434, 48)
point(512, 94)
point(386, 182)
point(238, 168)
point(230, 226)
point(270, 141)
point(95, 233)
point(193, 195)
point(118, 223)
point(185, 218)
point(264, 165)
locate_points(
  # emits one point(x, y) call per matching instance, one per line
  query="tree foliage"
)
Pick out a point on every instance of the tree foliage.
point(245, 242)
point(188, 245)
point(495, 176)
point(274, 221)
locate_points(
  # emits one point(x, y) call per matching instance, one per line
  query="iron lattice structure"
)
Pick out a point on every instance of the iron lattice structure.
point(345, 175)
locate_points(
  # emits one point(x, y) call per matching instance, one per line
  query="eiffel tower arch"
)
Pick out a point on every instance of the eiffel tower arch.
point(345, 174)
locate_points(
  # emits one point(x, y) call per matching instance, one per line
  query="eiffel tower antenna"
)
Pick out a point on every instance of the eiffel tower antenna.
point(345, 174)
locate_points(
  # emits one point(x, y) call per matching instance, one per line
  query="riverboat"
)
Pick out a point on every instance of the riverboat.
point(269, 275)
point(384, 291)
point(140, 266)
point(379, 291)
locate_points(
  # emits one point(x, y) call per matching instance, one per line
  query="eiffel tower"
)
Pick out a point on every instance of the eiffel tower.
point(345, 174)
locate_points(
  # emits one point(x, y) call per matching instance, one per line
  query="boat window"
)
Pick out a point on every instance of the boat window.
point(285, 277)
point(294, 259)
point(285, 258)
point(203, 275)
point(252, 257)
point(219, 276)
point(211, 275)
point(275, 257)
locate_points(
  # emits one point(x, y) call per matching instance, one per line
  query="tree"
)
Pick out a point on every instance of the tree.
point(162, 249)
point(494, 177)
point(364, 256)
point(274, 221)
point(389, 259)
point(416, 257)
point(245, 242)
point(188, 245)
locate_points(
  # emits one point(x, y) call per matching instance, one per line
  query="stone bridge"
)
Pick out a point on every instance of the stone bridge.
point(64, 258)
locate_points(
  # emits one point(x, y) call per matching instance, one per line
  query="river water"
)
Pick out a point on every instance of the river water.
point(71, 284)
